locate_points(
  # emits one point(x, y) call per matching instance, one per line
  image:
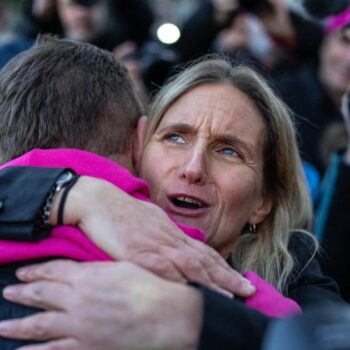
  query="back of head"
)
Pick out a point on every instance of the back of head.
point(64, 94)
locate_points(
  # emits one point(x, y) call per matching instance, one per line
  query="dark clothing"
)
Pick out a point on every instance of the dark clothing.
point(195, 41)
point(10, 310)
point(332, 226)
point(226, 323)
point(21, 200)
point(229, 324)
point(30, 26)
point(313, 108)
point(136, 19)
point(130, 20)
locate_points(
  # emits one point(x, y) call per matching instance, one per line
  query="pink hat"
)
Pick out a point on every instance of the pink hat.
point(338, 21)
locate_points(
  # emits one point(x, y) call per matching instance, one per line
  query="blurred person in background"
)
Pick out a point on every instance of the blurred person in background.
point(87, 20)
point(314, 91)
point(10, 43)
point(332, 227)
point(103, 23)
point(110, 25)
point(38, 16)
point(289, 38)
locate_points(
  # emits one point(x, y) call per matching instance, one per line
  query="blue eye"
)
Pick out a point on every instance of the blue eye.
point(175, 138)
point(228, 151)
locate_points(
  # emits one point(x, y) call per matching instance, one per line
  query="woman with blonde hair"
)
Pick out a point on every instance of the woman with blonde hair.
point(264, 248)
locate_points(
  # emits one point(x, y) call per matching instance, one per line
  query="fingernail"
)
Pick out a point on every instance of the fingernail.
point(9, 292)
point(22, 272)
point(247, 286)
point(5, 327)
point(225, 292)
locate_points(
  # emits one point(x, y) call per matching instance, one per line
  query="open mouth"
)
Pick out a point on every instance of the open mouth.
point(187, 202)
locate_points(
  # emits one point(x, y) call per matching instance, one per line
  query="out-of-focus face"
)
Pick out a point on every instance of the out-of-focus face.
point(335, 62)
point(81, 22)
point(204, 164)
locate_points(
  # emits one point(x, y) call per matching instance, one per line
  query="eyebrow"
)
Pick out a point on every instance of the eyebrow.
point(223, 138)
point(179, 127)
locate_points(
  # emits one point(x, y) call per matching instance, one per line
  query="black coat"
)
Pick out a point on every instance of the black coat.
point(333, 225)
point(10, 310)
point(230, 324)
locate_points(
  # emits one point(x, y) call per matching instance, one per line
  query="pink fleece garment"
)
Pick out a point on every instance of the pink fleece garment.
point(269, 300)
point(70, 242)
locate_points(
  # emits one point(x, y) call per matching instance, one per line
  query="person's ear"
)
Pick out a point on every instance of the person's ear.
point(263, 209)
point(138, 142)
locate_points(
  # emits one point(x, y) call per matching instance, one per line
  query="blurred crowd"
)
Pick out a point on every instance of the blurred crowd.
point(306, 60)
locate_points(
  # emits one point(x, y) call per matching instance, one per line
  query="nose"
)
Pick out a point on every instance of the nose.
point(195, 168)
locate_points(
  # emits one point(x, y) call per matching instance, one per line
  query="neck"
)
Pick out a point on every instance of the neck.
point(125, 160)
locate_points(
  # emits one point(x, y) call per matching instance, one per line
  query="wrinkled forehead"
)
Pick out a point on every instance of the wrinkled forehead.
point(214, 110)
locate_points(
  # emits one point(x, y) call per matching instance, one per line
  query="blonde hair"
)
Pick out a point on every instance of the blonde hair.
point(265, 252)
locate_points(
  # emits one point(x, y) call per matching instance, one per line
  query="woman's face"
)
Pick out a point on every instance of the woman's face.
point(204, 163)
point(335, 62)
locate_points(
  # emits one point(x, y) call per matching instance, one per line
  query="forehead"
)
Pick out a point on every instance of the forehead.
point(215, 109)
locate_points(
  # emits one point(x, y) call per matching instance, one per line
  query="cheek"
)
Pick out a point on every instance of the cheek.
point(334, 56)
point(238, 187)
point(154, 167)
point(239, 195)
point(236, 194)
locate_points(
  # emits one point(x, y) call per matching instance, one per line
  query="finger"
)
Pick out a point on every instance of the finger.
point(42, 294)
point(208, 251)
point(221, 276)
point(221, 273)
point(40, 326)
point(58, 270)
point(159, 265)
point(61, 344)
point(202, 251)
point(189, 266)
point(229, 280)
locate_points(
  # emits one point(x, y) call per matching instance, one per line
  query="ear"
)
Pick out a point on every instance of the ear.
point(263, 209)
point(138, 142)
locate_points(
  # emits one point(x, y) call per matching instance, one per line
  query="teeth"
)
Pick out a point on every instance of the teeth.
point(189, 200)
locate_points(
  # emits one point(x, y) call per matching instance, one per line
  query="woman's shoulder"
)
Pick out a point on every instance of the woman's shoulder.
point(303, 248)
point(307, 284)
